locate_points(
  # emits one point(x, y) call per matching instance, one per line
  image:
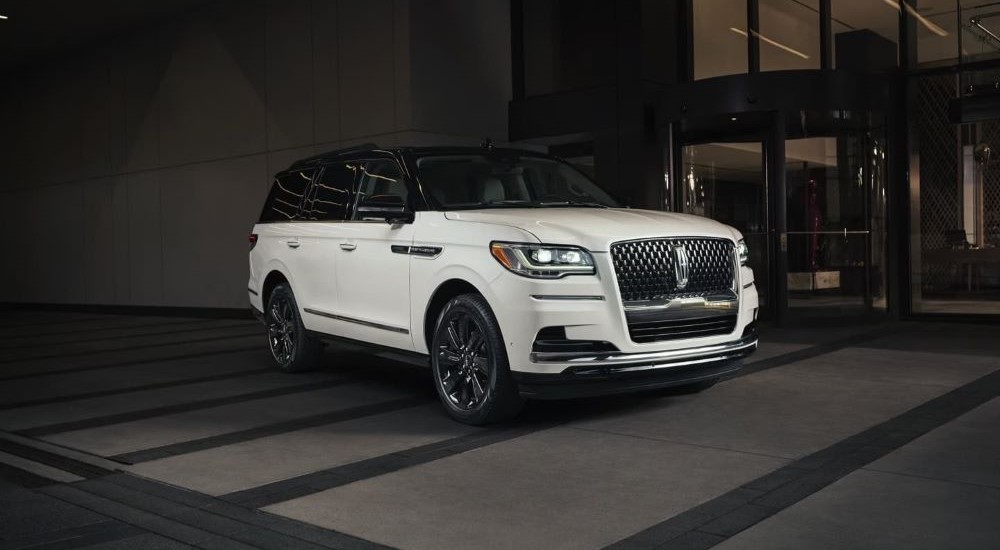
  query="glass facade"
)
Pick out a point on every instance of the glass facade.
point(955, 203)
point(788, 34)
point(719, 38)
point(907, 177)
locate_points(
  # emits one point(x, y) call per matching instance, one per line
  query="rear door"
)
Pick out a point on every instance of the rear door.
point(324, 212)
point(278, 232)
point(373, 264)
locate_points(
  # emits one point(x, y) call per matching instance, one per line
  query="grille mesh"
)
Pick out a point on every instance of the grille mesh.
point(645, 269)
point(658, 331)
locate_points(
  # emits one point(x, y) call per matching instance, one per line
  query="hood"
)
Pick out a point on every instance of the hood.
point(596, 228)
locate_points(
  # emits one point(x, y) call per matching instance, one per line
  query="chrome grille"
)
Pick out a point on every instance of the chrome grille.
point(645, 269)
point(660, 330)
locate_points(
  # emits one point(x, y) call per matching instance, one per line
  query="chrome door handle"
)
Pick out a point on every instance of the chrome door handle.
point(348, 246)
point(292, 244)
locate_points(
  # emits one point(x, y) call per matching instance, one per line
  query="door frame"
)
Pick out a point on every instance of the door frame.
point(769, 129)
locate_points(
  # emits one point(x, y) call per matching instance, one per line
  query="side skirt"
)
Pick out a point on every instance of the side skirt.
point(403, 356)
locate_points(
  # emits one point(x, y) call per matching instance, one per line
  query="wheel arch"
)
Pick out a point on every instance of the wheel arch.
point(444, 292)
point(273, 279)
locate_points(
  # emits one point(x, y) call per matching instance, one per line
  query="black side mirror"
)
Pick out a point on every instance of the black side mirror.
point(391, 208)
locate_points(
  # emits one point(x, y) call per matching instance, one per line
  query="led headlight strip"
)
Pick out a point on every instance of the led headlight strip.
point(543, 261)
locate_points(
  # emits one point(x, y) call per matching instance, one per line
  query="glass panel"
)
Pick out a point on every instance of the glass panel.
point(381, 178)
point(720, 44)
point(286, 196)
point(981, 31)
point(937, 30)
point(835, 216)
point(789, 34)
point(955, 205)
point(331, 194)
point(726, 182)
point(881, 19)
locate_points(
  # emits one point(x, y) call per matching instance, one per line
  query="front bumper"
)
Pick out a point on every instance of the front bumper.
point(616, 372)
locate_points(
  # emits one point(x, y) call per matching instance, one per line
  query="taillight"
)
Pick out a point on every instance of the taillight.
point(253, 240)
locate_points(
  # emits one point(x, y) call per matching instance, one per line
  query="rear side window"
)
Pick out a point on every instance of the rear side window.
point(330, 197)
point(286, 195)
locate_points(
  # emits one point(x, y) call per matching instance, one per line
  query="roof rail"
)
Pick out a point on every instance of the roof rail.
point(336, 153)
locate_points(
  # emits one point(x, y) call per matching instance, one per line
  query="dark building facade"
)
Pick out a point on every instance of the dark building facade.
point(849, 140)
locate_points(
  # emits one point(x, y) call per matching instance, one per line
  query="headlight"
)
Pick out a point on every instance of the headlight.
point(743, 251)
point(540, 261)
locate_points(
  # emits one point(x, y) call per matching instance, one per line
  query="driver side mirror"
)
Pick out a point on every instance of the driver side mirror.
point(391, 208)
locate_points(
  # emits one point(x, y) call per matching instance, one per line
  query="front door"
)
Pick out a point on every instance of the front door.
point(835, 204)
point(373, 266)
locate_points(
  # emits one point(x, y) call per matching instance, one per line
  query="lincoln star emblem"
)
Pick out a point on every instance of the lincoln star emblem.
point(681, 266)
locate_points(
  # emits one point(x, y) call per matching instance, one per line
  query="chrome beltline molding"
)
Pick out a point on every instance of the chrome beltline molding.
point(356, 321)
point(708, 353)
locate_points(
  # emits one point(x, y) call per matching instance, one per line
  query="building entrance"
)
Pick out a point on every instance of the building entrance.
point(808, 193)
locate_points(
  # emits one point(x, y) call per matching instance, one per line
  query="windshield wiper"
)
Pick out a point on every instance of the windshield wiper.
point(493, 204)
point(508, 202)
point(575, 203)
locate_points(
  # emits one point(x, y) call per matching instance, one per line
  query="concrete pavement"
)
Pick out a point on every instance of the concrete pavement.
point(158, 432)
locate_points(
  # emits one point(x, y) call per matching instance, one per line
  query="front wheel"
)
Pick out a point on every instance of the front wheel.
point(469, 360)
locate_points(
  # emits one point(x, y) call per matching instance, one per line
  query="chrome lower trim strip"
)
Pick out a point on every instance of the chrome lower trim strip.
point(357, 321)
point(567, 297)
point(654, 366)
point(654, 359)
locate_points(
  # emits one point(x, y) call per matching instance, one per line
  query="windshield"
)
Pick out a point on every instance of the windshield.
point(462, 182)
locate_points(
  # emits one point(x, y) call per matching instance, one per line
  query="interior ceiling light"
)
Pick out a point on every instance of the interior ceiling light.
point(923, 20)
point(767, 40)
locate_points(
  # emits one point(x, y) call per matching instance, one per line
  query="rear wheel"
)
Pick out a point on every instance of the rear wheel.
point(469, 360)
point(291, 347)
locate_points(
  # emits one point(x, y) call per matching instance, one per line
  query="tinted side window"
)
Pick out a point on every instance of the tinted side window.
point(381, 177)
point(330, 198)
point(286, 194)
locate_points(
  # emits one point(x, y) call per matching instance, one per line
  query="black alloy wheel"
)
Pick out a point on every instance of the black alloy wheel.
point(291, 347)
point(470, 366)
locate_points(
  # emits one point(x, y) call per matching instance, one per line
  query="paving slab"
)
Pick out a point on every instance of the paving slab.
point(767, 350)
point(131, 376)
point(26, 513)
point(175, 428)
point(253, 463)
point(126, 357)
point(54, 413)
point(39, 334)
point(73, 351)
point(559, 488)
point(965, 450)
point(947, 370)
point(784, 412)
point(874, 510)
point(958, 339)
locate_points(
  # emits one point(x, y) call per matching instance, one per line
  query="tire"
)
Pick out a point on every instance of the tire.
point(469, 363)
point(292, 349)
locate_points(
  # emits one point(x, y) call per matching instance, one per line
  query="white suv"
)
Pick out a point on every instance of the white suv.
point(512, 272)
